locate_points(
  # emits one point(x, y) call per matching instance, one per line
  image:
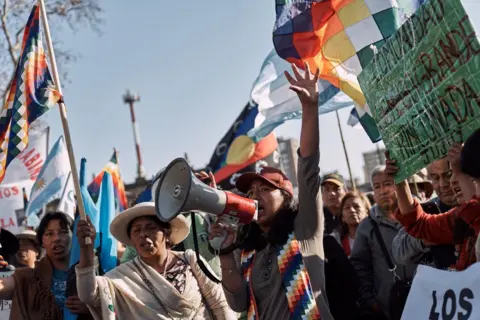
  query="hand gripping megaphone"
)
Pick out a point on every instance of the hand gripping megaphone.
point(177, 190)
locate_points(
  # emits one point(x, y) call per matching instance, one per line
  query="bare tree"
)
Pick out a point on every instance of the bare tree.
point(75, 14)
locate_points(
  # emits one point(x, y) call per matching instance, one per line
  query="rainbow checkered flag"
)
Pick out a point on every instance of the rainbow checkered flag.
point(340, 37)
point(113, 169)
point(31, 94)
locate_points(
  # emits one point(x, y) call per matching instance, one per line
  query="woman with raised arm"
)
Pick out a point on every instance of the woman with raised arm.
point(278, 271)
point(459, 226)
point(157, 284)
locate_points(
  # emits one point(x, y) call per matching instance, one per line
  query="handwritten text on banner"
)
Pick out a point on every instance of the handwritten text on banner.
point(423, 85)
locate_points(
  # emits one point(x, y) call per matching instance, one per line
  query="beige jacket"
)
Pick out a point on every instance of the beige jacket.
point(122, 294)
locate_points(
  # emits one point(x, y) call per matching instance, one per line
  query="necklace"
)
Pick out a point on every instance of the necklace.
point(151, 288)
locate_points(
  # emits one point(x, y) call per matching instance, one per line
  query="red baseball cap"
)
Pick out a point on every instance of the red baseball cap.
point(272, 176)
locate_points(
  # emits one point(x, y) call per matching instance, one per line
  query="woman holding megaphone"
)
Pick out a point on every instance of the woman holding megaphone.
point(157, 284)
point(278, 271)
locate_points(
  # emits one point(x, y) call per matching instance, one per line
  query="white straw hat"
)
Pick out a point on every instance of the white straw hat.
point(27, 235)
point(118, 228)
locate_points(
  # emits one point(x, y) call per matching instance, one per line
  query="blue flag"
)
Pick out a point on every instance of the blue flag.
point(106, 206)
point(91, 210)
point(94, 215)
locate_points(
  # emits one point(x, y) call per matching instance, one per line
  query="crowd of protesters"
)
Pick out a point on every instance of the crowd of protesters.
point(351, 257)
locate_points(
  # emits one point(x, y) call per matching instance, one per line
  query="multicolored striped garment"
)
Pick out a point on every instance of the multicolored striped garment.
point(296, 281)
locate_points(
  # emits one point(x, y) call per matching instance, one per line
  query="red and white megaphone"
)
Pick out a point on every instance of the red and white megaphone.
point(177, 190)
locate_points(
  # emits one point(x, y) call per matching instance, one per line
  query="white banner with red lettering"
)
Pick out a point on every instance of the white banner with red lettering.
point(27, 165)
point(22, 173)
point(12, 213)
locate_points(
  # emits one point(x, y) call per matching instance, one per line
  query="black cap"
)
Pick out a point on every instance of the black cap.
point(333, 178)
point(9, 243)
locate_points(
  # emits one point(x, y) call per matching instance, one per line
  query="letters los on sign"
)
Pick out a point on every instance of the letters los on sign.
point(423, 85)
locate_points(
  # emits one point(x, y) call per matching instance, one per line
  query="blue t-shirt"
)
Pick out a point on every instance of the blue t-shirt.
point(59, 285)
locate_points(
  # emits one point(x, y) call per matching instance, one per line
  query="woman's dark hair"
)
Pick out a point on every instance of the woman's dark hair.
point(252, 237)
point(65, 222)
point(167, 230)
point(469, 158)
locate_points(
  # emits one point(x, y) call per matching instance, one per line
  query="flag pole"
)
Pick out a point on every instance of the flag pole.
point(354, 187)
point(63, 117)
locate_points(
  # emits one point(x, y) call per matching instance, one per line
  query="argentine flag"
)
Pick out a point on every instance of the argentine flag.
point(51, 183)
point(278, 104)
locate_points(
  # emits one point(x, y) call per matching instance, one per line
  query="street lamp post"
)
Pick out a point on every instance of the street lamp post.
point(130, 99)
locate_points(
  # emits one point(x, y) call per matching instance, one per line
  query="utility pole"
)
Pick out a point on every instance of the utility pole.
point(352, 181)
point(130, 99)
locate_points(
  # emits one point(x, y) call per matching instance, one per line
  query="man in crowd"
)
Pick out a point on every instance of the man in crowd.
point(408, 250)
point(439, 173)
point(368, 258)
point(333, 190)
point(30, 249)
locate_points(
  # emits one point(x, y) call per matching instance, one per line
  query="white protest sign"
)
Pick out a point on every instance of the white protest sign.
point(27, 165)
point(444, 295)
point(5, 305)
point(11, 205)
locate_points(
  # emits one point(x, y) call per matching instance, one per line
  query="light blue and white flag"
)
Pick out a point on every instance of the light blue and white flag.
point(277, 103)
point(51, 181)
point(67, 202)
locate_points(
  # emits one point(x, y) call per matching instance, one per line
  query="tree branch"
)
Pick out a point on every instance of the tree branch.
point(11, 46)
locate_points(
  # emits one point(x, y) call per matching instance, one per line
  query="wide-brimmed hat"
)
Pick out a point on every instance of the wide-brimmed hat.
point(27, 235)
point(272, 176)
point(118, 228)
point(421, 183)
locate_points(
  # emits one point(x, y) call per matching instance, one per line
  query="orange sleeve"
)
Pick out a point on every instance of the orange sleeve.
point(436, 228)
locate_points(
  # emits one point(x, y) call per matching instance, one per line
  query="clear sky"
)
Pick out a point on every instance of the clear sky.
point(193, 64)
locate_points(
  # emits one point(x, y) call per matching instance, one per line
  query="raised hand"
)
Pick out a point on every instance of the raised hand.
point(207, 177)
point(390, 165)
point(306, 87)
point(85, 229)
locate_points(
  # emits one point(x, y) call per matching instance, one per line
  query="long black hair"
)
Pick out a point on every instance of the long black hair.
point(251, 236)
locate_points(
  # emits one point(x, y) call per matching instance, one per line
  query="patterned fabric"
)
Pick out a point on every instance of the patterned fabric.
point(177, 275)
point(296, 281)
point(59, 285)
point(113, 168)
point(31, 94)
point(340, 38)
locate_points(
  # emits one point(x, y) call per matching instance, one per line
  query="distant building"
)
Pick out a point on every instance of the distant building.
point(289, 158)
point(133, 190)
point(371, 160)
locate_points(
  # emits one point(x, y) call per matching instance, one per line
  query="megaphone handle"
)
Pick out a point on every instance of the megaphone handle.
point(217, 242)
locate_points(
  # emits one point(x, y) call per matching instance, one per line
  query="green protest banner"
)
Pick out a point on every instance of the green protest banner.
point(423, 85)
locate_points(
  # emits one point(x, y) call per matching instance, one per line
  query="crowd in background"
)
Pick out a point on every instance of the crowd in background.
point(331, 253)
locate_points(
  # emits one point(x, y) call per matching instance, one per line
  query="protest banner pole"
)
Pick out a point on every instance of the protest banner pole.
point(354, 187)
point(63, 117)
